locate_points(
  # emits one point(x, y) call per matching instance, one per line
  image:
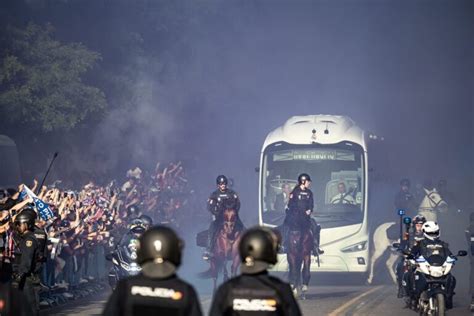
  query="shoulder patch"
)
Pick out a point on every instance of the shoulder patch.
point(29, 243)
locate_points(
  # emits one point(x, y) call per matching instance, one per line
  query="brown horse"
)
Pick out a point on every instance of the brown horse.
point(299, 246)
point(226, 247)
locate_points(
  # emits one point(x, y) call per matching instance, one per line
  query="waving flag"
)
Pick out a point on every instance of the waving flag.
point(42, 208)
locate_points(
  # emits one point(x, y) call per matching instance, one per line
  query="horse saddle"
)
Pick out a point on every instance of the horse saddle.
point(201, 239)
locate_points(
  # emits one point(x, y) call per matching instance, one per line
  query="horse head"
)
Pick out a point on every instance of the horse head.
point(230, 219)
point(433, 201)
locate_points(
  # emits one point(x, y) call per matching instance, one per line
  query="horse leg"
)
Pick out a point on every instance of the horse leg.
point(306, 275)
point(381, 243)
point(224, 268)
point(391, 266)
point(290, 257)
point(235, 260)
point(214, 286)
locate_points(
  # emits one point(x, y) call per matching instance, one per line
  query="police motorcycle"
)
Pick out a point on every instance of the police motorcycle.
point(432, 283)
point(125, 255)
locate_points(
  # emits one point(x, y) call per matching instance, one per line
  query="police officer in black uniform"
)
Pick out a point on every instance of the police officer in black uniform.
point(404, 199)
point(415, 236)
point(27, 256)
point(299, 209)
point(42, 239)
point(255, 292)
point(157, 290)
point(219, 200)
point(470, 242)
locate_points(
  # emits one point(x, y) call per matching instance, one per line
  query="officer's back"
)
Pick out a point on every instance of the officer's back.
point(255, 292)
point(157, 289)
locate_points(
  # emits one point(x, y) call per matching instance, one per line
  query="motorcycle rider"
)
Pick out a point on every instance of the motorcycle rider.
point(299, 209)
point(27, 257)
point(255, 292)
point(430, 245)
point(415, 236)
point(218, 201)
point(156, 289)
point(404, 199)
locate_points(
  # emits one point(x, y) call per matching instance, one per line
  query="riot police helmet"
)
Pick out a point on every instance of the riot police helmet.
point(431, 230)
point(26, 217)
point(137, 226)
point(221, 179)
point(405, 183)
point(419, 219)
point(159, 252)
point(146, 220)
point(258, 249)
point(302, 178)
point(31, 211)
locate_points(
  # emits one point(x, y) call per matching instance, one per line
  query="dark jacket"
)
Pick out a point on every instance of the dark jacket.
point(254, 294)
point(139, 295)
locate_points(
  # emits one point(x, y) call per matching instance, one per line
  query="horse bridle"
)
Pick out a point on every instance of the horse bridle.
point(436, 204)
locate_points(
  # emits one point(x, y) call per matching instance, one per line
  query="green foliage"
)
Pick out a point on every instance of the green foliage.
point(41, 80)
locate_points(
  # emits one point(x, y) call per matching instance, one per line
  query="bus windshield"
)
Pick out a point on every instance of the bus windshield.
point(337, 174)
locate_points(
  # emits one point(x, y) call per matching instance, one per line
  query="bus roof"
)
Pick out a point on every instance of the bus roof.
point(320, 129)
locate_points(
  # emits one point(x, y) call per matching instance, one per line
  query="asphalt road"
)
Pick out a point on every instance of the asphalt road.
point(320, 300)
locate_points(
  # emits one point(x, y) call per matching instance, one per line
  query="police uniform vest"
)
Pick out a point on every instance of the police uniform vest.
point(220, 199)
point(42, 239)
point(26, 253)
point(301, 200)
point(427, 248)
point(140, 295)
point(258, 294)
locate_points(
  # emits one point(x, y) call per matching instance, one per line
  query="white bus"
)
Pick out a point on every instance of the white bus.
point(332, 150)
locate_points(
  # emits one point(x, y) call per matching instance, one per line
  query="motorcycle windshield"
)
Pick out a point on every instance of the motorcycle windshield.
point(436, 260)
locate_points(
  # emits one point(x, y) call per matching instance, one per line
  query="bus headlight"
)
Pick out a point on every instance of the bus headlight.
point(356, 247)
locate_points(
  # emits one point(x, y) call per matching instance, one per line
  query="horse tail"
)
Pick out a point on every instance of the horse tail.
point(208, 274)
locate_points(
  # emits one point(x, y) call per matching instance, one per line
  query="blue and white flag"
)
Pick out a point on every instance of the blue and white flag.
point(42, 208)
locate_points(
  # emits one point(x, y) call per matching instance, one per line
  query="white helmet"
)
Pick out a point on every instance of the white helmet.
point(431, 230)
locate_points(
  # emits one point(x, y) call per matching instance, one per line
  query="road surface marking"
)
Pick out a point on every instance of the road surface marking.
point(348, 304)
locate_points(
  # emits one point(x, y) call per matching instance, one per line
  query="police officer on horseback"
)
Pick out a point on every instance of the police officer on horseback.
point(218, 201)
point(404, 199)
point(157, 289)
point(299, 209)
point(255, 292)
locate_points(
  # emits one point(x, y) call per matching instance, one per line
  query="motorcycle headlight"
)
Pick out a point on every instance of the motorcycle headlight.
point(437, 272)
point(115, 261)
point(355, 247)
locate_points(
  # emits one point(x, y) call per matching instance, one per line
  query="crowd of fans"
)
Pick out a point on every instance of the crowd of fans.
point(88, 222)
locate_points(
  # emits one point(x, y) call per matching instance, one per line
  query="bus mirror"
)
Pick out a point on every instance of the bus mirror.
point(257, 169)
